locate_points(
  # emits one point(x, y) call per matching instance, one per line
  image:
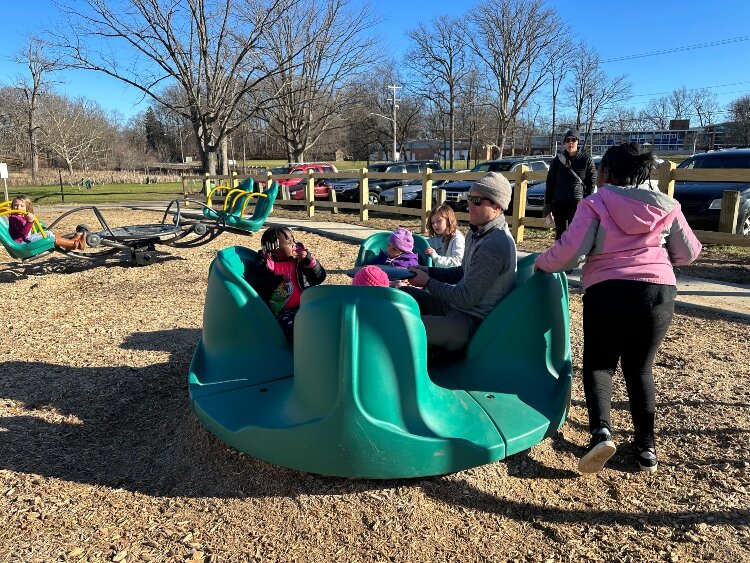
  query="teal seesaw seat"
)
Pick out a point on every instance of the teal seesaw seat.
point(354, 397)
point(372, 245)
point(234, 218)
point(23, 250)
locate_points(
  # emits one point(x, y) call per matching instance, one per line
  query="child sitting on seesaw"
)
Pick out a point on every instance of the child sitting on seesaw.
point(400, 251)
point(285, 270)
point(446, 241)
point(21, 223)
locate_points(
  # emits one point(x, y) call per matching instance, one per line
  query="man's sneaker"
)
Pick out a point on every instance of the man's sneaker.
point(646, 457)
point(601, 448)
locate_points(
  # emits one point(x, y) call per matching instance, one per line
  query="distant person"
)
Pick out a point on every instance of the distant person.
point(373, 276)
point(400, 250)
point(446, 242)
point(630, 235)
point(20, 227)
point(286, 268)
point(458, 299)
point(571, 177)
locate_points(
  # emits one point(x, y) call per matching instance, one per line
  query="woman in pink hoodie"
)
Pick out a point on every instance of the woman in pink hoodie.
point(630, 235)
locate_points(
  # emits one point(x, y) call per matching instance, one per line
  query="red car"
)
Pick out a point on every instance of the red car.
point(297, 185)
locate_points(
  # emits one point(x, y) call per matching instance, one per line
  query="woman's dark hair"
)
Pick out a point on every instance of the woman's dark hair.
point(627, 165)
point(269, 241)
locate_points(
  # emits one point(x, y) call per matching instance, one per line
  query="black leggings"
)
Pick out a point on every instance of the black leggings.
point(626, 321)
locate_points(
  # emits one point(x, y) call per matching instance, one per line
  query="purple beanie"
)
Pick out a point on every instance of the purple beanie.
point(402, 239)
point(371, 275)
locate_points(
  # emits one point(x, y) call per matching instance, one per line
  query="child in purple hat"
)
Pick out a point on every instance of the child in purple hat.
point(400, 251)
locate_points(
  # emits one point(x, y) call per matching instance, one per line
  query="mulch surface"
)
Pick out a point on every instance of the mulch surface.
point(101, 458)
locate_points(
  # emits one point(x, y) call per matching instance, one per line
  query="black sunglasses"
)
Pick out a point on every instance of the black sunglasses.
point(570, 140)
point(477, 200)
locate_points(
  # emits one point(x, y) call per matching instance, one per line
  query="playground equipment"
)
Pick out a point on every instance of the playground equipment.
point(354, 396)
point(139, 242)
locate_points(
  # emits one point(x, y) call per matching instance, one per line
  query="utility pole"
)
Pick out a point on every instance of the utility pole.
point(393, 88)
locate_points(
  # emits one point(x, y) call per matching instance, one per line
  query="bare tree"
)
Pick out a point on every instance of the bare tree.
point(474, 113)
point(34, 57)
point(318, 46)
point(215, 50)
point(658, 113)
point(513, 38)
point(706, 106)
point(591, 91)
point(439, 54)
point(739, 131)
point(74, 130)
point(558, 68)
point(680, 101)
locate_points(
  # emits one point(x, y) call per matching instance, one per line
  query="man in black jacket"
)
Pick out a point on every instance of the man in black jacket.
point(571, 177)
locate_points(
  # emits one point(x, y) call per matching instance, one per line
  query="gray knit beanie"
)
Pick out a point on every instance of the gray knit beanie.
point(494, 186)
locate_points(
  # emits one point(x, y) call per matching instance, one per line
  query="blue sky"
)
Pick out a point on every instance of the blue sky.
point(616, 29)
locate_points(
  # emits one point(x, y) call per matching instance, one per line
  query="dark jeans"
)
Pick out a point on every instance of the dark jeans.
point(625, 321)
point(563, 212)
point(445, 327)
point(285, 319)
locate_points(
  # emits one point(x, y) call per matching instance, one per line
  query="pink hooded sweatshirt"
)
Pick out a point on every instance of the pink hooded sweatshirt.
point(624, 233)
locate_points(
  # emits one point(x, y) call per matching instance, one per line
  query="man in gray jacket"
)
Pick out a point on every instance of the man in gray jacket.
point(457, 300)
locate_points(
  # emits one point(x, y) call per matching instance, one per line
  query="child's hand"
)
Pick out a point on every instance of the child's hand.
point(31, 217)
point(301, 252)
point(430, 251)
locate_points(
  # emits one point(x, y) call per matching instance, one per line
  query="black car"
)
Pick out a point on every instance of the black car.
point(348, 189)
point(456, 192)
point(701, 201)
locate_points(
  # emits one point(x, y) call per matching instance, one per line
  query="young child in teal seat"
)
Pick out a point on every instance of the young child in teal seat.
point(400, 251)
point(285, 270)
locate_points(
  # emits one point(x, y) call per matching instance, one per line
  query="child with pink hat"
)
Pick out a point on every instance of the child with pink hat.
point(371, 276)
point(400, 251)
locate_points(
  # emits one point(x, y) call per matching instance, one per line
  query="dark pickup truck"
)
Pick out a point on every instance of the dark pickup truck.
point(348, 189)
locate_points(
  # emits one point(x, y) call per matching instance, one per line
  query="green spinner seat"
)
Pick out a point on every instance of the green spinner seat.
point(354, 398)
point(372, 245)
point(263, 208)
point(23, 250)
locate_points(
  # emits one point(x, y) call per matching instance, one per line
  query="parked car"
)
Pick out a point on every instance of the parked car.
point(302, 168)
point(456, 192)
point(348, 189)
point(535, 195)
point(701, 200)
point(412, 192)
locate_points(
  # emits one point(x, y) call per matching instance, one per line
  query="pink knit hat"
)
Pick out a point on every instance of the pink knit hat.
point(371, 275)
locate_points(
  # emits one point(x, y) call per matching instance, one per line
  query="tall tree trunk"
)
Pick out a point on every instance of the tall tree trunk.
point(224, 156)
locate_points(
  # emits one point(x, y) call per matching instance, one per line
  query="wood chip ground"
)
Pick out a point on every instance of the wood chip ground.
point(101, 458)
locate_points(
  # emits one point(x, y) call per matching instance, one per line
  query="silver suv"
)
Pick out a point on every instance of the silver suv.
point(456, 192)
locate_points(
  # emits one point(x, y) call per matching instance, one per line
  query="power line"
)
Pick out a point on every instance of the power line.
point(679, 49)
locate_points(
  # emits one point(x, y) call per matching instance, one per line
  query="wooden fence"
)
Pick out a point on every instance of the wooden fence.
point(665, 175)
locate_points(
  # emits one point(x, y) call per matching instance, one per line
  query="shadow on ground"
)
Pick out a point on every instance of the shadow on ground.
point(132, 428)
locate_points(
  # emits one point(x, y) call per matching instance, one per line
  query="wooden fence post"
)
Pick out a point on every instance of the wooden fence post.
point(426, 198)
point(730, 209)
point(519, 202)
point(398, 195)
point(206, 186)
point(364, 193)
point(332, 197)
point(310, 193)
point(184, 187)
point(666, 178)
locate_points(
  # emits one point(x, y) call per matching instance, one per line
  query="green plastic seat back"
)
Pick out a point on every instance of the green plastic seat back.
point(263, 208)
point(240, 333)
point(247, 185)
point(372, 245)
point(23, 250)
point(522, 352)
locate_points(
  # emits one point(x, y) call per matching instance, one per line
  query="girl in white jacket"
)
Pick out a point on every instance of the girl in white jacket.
point(446, 241)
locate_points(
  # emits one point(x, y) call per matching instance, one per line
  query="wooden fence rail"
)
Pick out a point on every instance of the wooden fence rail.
point(665, 176)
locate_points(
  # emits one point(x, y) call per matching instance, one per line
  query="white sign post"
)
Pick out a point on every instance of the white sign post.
point(4, 176)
